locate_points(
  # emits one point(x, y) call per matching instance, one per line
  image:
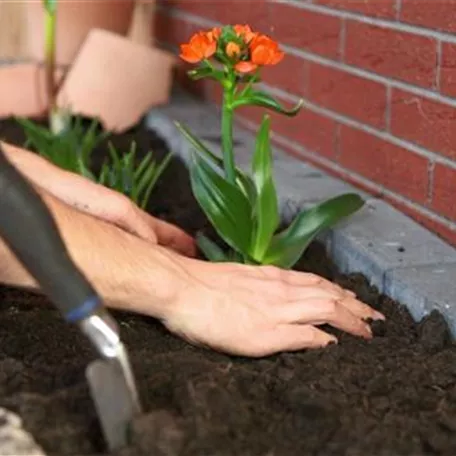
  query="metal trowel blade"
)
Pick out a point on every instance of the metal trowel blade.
point(116, 400)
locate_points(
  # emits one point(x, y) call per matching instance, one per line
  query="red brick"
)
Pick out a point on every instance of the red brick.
point(435, 14)
point(398, 169)
point(375, 8)
point(347, 94)
point(171, 30)
point(425, 122)
point(400, 55)
point(290, 75)
point(441, 229)
point(308, 129)
point(253, 12)
point(448, 69)
point(307, 30)
point(444, 191)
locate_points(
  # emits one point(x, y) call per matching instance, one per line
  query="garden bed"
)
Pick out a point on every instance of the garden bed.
point(393, 395)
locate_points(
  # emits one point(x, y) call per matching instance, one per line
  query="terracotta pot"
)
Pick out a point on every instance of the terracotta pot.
point(75, 19)
point(23, 90)
point(117, 80)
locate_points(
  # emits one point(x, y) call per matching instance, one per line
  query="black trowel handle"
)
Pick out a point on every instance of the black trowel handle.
point(28, 228)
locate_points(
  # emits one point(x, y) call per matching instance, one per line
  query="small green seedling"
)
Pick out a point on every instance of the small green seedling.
point(137, 182)
point(71, 149)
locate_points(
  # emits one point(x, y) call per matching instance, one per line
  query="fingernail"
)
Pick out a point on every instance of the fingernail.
point(379, 316)
point(368, 331)
point(332, 341)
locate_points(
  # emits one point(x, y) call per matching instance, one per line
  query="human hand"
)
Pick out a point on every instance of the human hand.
point(261, 310)
point(99, 201)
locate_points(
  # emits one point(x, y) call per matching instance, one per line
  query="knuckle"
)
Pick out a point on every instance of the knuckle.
point(315, 277)
point(275, 273)
point(269, 270)
point(331, 307)
point(119, 207)
point(123, 204)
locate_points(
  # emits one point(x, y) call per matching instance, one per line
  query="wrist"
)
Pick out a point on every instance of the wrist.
point(129, 273)
point(149, 283)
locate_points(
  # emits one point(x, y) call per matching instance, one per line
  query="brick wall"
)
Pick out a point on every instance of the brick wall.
point(379, 80)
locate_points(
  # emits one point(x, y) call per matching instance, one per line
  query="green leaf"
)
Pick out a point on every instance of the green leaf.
point(210, 249)
point(256, 98)
point(142, 166)
point(145, 184)
point(262, 158)
point(102, 179)
point(199, 73)
point(266, 210)
point(224, 204)
point(90, 140)
point(243, 181)
point(140, 176)
point(114, 156)
point(129, 167)
point(155, 174)
point(38, 137)
point(199, 146)
point(205, 72)
point(288, 246)
point(266, 218)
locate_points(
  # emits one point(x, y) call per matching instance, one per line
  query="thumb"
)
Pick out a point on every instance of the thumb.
point(171, 236)
point(135, 223)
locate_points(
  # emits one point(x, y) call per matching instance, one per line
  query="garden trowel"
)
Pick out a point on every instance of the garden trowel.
point(31, 233)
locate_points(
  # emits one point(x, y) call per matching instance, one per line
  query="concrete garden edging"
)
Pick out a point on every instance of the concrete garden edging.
point(402, 259)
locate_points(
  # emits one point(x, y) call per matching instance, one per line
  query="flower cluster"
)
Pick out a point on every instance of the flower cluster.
point(238, 45)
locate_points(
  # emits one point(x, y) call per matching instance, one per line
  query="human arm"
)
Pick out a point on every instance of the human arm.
point(98, 200)
point(239, 309)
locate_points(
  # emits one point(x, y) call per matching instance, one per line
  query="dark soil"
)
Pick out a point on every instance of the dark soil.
point(393, 395)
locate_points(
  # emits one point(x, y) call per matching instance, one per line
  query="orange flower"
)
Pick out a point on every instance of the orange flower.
point(202, 45)
point(232, 49)
point(245, 32)
point(245, 67)
point(215, 33)
point(263, 51)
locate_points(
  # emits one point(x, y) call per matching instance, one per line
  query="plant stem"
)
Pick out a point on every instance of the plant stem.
point(249, 85)
point(50, 59)
point(227, 131)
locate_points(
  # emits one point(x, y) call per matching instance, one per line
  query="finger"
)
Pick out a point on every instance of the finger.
point(171, 236)
point(297, 337)
point(361, 310)
point(298, 293)
point(137, 226)
point(297, 278)
point(319, 311)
